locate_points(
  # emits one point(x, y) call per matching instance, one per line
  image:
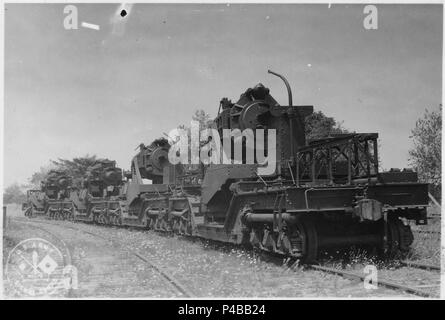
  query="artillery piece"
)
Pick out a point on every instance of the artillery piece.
point(149, 163)
point(103, 179)
point(98, 199)
point(56, 188)
point(324, 193)
point(35, 203)
point(165, 203)
point(320, 194)
point(51, 198)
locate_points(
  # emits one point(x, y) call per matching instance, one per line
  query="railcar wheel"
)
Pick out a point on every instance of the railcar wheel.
point(151, 223)
point(157, 223)
point(304, 240)
point(147, 223)
point(400, 237)
point(175, 226)
point(189, 228)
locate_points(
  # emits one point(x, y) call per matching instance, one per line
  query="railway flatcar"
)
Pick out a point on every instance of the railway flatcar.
point(52, 200)
point(56, 188)
point(35, 203)
point(99, 199)
point(167, 203)
point(279, 193)
point(325, 193)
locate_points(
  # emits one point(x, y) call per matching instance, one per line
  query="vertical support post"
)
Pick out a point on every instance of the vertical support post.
point(313, 165)
point(274, 222)
point(5, 223)
point(376, 156)
point(280, 214)
point(297, 170)
point(368, 164)
point(356, 159)
point(330, 175)
point(385, 230)
point(349, 163)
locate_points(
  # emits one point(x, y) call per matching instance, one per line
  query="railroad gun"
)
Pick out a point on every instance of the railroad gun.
point(324, 193)
point(162, 202)
point(56, 187)
point(310, 195)
point(103, 179)
point(267, 187)
point(51, 198)
point(100, 197)
point(149, 163)
point(34, 204)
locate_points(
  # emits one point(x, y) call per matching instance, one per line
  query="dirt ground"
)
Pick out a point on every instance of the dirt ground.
point(106, 269)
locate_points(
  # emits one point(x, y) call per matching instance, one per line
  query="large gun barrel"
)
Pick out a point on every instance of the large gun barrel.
point(152, 159)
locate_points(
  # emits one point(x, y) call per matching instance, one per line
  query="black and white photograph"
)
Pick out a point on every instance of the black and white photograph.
point(232, 152)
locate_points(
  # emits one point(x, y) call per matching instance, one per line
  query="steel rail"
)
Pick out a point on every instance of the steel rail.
point(426, 231)
point(169, 278)
point(383, 282)
point(347, 274)
point(418, 265)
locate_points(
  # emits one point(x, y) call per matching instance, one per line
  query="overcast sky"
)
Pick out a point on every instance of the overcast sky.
point(74, 92)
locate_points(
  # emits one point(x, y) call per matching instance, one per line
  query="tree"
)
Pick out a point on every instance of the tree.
point(76, 168)
point(203, 118)
point(320, 126)
point(13, 194)
point(425, 155)
point(40, 175)
point(205, 122)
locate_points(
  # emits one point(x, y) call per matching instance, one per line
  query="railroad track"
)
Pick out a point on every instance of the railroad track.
point(169, 279)
point(344, 273)
point(418, 265)
point(383, 282)
point(426, 231)
point(66, 257)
